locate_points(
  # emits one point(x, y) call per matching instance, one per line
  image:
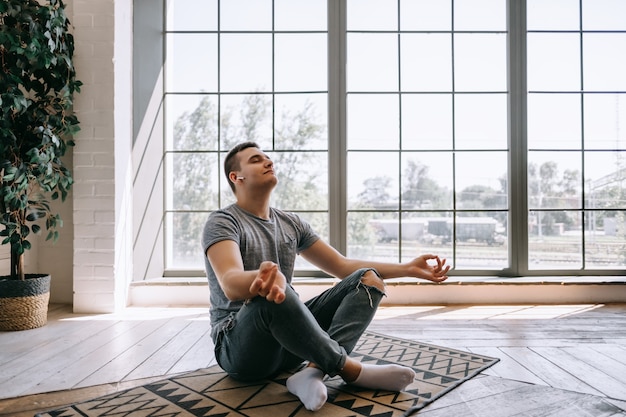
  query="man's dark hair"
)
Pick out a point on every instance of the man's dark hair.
point(231, 163)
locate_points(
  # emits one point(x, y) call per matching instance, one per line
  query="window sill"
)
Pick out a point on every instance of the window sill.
point(194, 291)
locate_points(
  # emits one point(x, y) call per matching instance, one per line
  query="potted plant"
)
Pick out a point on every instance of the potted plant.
point(37, 84)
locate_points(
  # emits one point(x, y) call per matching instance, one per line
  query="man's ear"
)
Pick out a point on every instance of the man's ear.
point(233, 177)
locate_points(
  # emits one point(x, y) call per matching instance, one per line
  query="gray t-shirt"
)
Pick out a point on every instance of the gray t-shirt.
point(278, 239)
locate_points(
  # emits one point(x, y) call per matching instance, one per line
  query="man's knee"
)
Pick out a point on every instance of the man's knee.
point(372, 279)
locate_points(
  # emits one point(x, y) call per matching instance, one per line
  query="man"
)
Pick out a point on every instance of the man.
point(259, 324)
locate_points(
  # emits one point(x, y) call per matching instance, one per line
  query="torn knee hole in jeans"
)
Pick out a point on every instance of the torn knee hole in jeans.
point(367, 289)
point(229, 323)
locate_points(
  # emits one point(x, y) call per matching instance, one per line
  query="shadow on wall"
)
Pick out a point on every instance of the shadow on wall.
point(147, 157)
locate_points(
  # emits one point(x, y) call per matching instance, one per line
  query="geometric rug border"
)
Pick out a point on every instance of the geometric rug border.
point(210, 392)
point(488, 361)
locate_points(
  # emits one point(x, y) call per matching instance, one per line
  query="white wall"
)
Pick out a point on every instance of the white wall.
point(116, 199)
point(148, 142)
point(102, 253)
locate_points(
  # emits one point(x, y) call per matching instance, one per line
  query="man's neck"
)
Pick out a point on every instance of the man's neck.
point(259, 208)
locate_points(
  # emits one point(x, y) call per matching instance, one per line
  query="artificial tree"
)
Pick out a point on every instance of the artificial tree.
point(37, 85)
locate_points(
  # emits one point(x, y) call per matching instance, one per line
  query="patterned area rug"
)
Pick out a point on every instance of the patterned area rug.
point(211, 393)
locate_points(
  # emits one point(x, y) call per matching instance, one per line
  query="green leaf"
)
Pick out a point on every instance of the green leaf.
point(34, 215)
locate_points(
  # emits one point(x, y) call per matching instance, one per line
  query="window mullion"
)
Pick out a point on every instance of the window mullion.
point(518, 158)
point(337, 142)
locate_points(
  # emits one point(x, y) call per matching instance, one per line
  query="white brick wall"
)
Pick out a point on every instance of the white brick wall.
point(100, 266)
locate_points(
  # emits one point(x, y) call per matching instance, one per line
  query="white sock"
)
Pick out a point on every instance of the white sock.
point(390, 377)
point(309, 387)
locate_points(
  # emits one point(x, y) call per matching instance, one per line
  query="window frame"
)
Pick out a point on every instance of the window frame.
point(517, 101)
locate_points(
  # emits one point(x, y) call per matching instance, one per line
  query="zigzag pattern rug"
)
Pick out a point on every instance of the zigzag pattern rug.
point(211, 393)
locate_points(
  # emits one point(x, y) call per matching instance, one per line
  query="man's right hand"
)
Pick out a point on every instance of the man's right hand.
point(269, 283)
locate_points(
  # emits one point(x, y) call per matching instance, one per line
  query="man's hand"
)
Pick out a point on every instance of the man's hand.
point(269, 283)
point(432, 271)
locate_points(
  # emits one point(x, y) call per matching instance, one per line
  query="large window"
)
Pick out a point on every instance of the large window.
point(576, 134)
point(427, 131)
point(489, 133)
point(241, 70)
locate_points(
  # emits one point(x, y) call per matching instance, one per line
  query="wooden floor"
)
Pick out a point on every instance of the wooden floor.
point(565, 360)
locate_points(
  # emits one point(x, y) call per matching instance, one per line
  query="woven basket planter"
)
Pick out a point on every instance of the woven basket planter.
point(24, 304)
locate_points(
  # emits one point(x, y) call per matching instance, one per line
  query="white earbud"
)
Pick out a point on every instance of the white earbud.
point(241, 178)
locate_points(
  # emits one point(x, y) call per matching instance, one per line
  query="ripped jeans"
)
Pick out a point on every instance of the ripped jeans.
point(264, 338)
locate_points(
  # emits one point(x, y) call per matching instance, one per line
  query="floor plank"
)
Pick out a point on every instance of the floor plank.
point(508, 367)
point(581, 370)
point(26, 372)
point(200, 353)
point(131, 359)
point(528, 400)
point(166, 357)
point(555, 360)
point(89, 358)
point(552, 374)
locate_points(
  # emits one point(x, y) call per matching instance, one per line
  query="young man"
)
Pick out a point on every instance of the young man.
point(259, 324)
